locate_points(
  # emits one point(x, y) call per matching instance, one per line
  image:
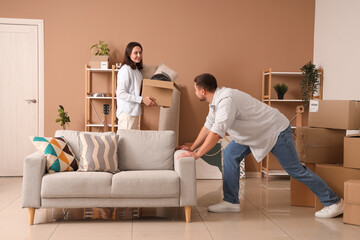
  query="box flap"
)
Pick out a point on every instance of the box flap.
point(357, 135)
point(158, 83)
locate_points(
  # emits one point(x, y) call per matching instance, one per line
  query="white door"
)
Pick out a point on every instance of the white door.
point(19, 95)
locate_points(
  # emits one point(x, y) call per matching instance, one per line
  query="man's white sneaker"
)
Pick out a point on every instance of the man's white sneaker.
point(224, 207)
point(331, 211)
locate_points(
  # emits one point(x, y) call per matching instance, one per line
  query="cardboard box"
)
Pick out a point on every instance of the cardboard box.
point(352, 151)
point(337, 114)
point(352, 202)
point(300, 194)
point(335, 176)
point(160, 90)
point(100, 62)
point(320, 145)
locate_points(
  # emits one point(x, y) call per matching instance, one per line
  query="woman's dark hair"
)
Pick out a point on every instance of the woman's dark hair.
point(206, 81)
point(127, 60)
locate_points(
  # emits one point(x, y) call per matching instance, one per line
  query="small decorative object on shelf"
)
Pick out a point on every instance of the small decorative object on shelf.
point(99, 55)
point(281, 89)
point(310, 82)
point(63, 117)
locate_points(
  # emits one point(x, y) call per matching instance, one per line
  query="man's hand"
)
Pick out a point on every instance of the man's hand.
point(188, 154)
point(183, 147)
point(149, 101)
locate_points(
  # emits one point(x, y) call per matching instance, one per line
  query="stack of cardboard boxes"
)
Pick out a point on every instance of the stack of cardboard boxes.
point(324, 146)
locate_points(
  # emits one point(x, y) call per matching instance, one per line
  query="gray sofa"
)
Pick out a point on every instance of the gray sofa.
point(150, 176)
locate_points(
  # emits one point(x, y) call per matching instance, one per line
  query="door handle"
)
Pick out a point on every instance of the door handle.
point(30, 100)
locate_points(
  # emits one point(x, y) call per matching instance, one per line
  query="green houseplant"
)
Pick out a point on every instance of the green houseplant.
point(280, 89)
point(63, 117)
point(309, 83)
point(99, 55)
point(100, 49)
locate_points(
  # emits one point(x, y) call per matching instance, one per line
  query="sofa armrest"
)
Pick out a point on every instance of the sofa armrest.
point(185, 168)
point(34, 170)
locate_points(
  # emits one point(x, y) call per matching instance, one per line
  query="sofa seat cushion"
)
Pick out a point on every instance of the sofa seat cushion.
point(76, 184)
point(145, 184)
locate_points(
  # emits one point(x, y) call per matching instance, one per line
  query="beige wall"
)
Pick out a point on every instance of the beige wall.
point(337, 47)
point(232, 39)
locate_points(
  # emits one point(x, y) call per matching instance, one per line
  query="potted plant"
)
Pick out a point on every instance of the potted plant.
point(310, 82)
point(99, 55)
point(63, 117)
point(280, 89)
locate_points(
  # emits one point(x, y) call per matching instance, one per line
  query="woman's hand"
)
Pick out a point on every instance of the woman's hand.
point(149, 101)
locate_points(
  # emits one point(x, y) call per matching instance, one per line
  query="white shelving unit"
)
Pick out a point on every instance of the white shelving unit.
point(89, 99)
point(267, 98)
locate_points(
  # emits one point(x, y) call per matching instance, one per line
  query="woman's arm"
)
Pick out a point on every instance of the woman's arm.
point(123, 85)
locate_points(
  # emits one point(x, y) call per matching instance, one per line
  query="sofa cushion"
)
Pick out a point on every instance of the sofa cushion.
point(58, 153)
point(98, 153)
point(76, 184)
point(146, 150)
point(72, 138)
point(145, 184)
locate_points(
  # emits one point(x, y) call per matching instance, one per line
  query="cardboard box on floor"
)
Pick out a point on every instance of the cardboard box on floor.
point(337, 114)
point(160, 90)
point(300, 194)
point(352, 151)
point(335, 176)
point(352, 202)
point(320, 145)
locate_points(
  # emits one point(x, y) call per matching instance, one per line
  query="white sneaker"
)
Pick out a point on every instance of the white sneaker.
point(331, 211)
point(224, 207)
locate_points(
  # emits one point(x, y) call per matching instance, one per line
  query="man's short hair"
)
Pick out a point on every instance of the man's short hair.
point(206, 81)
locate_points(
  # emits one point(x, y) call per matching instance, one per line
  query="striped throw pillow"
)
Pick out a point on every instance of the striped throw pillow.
point(98, 153)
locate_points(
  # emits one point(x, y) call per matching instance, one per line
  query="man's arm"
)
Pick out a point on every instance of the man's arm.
point(209, 142)
point(204, 132)
point(198, 141)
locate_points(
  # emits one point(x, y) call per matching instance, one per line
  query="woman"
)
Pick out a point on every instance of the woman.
point(129, 81)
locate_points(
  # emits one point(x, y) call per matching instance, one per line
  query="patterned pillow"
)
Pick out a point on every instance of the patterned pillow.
point(58, 153)
point(98, 153)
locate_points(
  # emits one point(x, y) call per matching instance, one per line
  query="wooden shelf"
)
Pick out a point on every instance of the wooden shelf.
point(99, 97)
point(275, 172)
point(89, 107)
point(100, 70)
point(266, 97)
point(98, 125)
point(283, 100)
point(285, 73)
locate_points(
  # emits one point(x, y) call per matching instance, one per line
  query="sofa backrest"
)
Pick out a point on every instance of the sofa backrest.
point(137, 150)
point(72, 137)
point(146, 150)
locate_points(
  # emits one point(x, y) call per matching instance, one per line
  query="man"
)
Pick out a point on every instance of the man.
point(255, 128)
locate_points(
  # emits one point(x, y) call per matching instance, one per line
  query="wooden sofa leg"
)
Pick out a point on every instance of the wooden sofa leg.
point(31, 212)
point(188, 214)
